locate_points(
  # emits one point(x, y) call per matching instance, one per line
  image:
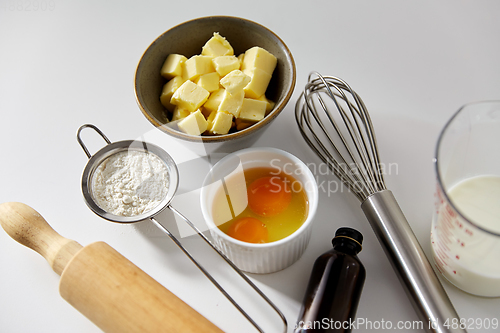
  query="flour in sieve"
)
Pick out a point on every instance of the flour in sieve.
point(130, 183)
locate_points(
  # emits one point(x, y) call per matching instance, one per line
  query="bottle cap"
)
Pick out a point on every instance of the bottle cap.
point(348, 233)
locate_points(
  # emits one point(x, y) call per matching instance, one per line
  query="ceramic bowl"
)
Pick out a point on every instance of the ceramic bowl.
point(262, 257)
point(187, 39)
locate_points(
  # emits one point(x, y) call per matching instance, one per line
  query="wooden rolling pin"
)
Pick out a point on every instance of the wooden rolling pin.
point(99, 282)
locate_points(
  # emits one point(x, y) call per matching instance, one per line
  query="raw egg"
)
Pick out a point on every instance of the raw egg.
point(270, 205)
point(248, 229)
point(269, 196)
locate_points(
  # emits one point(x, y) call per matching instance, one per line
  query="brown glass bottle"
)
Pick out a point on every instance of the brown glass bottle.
point(335, 286)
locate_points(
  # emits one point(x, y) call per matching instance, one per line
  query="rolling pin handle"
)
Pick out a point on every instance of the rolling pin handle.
point(26, 226)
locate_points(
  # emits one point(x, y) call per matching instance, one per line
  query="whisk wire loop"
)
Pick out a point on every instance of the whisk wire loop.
point(353, 133)
point(314, 141)
point(359, 168)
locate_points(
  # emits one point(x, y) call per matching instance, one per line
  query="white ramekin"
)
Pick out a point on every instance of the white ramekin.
point(267, 257)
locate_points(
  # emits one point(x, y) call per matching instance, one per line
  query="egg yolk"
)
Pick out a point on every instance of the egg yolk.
point(248, 229)
point(269, 196)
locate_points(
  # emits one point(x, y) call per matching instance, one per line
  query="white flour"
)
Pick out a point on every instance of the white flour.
point(130, 183)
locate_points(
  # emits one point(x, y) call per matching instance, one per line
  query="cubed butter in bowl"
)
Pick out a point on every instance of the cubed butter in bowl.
point(190, 96)
point(235, 81)
point(219, 68)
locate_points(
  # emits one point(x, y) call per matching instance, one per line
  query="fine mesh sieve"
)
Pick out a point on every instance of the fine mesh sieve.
point(130, 145)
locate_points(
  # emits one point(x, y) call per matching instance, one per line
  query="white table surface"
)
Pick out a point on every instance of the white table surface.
point(66, 63)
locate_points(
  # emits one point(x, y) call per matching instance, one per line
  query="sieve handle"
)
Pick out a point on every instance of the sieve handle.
point(421, 284)
point(80, 141)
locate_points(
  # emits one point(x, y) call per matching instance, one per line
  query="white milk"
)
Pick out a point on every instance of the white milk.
point(478, 198)
point(468, 256)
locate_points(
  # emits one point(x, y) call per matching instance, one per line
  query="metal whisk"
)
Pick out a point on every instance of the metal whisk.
point(335, 123)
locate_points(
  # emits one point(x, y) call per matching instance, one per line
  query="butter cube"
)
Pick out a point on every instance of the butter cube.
point(257, 57)
point(217, 46)
point(172, 66)
point(197, 65)
point(213, 102)
point(210, 81)
point(252, 110)
point(210, 120)
point(235, 81)
point(240, 58)
point(194, 124)
point(189, 96)
point(258, 83)
point(180, 113)
point(168, 90)
point(231, 103)
point(270, 104)
point(221, 124)
point(225, 64)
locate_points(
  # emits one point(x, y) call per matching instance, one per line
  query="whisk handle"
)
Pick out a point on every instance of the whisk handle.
point(421, 284)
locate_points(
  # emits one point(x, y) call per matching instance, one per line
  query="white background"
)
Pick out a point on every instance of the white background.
point(66, 63)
